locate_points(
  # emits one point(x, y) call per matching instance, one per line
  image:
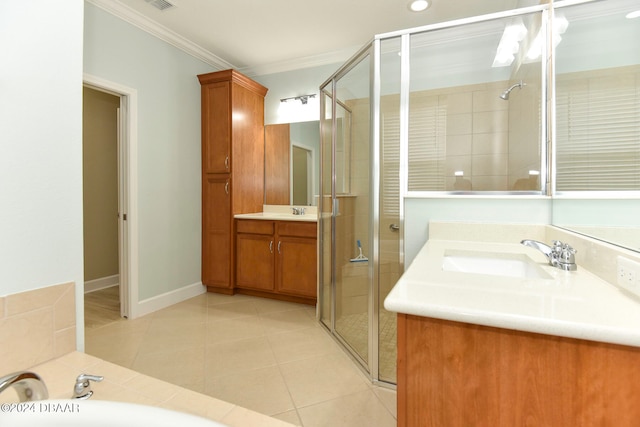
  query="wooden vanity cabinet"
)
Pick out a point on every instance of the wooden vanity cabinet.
point(459, 374)
point(232, 107)
point(277, 259)
point(255, 258)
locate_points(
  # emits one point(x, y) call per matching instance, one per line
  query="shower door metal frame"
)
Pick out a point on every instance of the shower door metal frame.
point(370, 366)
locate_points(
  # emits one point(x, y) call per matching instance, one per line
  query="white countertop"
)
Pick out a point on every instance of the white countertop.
point(274, 216)
point(282, 213)
point(574, 304)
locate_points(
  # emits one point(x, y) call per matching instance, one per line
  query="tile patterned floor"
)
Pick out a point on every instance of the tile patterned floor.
point(269, 356)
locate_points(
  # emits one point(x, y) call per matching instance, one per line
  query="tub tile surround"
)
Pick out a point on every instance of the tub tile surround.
point(37, 332)
point(37, 326)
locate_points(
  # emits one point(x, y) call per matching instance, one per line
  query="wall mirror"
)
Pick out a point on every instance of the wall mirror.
point(292, 163)
point(597, 130)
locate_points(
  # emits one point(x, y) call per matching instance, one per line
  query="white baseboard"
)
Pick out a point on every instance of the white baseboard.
point(159, 302)
point(101, 283)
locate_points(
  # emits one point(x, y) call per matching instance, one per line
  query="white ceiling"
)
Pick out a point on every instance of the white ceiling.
point(266, 36)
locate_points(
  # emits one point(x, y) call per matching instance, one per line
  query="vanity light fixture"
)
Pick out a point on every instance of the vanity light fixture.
point(302, 98)
point(418, 5)
point(634, 14)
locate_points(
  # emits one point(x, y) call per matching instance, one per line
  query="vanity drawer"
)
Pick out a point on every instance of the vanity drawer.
point(254, 227)
point(297, 229)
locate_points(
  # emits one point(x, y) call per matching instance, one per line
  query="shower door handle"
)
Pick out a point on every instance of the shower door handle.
point(394, 227)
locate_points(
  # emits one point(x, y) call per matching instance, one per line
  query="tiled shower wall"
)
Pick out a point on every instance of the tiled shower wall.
point(36, 326)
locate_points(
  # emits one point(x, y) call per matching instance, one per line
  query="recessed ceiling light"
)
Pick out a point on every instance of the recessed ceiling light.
point(418, 5)
point(634, 14)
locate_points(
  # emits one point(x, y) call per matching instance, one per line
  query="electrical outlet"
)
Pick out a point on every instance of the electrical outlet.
point(628, 273)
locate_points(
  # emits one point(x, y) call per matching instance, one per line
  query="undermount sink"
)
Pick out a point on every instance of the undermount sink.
point(494, 264)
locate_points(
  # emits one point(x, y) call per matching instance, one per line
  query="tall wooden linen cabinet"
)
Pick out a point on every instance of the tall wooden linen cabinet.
point(232, 167)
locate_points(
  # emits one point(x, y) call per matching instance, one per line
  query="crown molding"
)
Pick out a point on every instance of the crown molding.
point(135, 18)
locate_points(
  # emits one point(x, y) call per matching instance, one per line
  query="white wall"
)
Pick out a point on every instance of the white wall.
point(168, 145)
point(41, 146)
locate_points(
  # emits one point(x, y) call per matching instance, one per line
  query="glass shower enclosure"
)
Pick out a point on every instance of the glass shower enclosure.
point(451, 109)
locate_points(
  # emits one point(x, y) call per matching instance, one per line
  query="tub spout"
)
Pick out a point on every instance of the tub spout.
point(28, 385)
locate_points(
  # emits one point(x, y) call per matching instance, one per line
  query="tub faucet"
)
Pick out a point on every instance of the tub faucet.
point(28, 385)
point(561, 255)
point(82, 388)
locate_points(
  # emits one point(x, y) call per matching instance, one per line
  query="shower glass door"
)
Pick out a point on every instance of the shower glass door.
point(351, 211)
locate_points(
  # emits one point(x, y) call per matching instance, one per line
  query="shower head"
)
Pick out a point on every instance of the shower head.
point(505, 94)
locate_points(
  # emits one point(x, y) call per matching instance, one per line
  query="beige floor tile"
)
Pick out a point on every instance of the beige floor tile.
point(238, 356)
point(183, 313)
point(231, 310)
point(262, 390)
point(290, 417)
point(119, 347)
point(268, 356)
point(388, 398)
point(241, 417)
point(322, 378)
point(163, 334)
point(234, 329)
point(183, 367)
point(215, 299)
point(286, 321)
point(301, 344)
point(266, 305)
point(359, 409)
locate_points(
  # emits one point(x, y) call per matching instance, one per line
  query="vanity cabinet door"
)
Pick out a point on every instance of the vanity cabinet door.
point(216, 127)
point(217, 231)
point(296, 255)
point(255, 255)
point(255, 262)
point(296, 268)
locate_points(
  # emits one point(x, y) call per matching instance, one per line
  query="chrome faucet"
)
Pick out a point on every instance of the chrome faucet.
point(82, 389)
point(298, 211)
point(561, 255)
point(28, 385)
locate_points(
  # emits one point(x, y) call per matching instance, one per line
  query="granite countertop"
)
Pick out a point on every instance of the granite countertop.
point(574, 304)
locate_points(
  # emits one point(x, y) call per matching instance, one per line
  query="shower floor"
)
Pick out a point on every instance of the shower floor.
point(354, 328)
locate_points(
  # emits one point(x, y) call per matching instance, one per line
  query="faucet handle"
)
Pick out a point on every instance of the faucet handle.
point(568, 253)
point(82, 388)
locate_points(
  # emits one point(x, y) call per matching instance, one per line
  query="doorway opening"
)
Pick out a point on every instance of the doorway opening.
point(108, 138)
point(302, 175)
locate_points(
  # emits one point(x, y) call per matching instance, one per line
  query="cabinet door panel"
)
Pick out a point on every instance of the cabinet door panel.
point(297, 266)
point(216, 128)
point(216, 232)
point(255, 261)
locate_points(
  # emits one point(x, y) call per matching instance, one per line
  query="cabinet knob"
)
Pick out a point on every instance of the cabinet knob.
point(226, 187)
point(279, 244)
point(226, 162)
point(271, 246)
